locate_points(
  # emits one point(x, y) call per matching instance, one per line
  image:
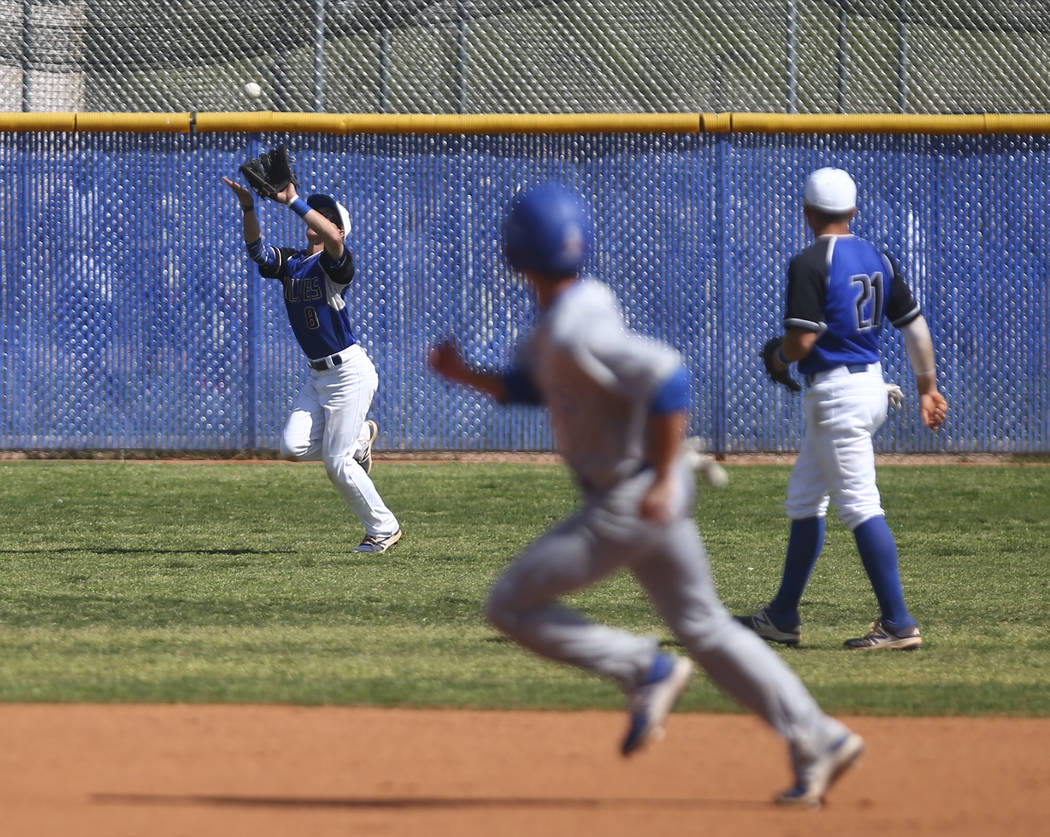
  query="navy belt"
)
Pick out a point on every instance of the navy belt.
point(321, 364)
point(852, 368)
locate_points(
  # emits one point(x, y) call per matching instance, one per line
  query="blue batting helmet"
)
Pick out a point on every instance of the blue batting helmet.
point(547, 230)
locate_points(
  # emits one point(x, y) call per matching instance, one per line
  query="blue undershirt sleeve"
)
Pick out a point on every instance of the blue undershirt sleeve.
point(673, 394)
point(520, 387)
point(255, 251)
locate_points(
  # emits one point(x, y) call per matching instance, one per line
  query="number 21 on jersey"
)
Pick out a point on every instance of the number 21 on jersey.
point(869, 300)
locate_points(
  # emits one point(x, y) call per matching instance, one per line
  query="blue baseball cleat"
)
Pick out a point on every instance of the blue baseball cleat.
point(651, 702)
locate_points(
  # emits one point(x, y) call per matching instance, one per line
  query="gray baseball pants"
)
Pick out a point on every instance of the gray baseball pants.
point(669, 560)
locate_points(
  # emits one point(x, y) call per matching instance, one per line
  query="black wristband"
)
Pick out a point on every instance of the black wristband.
point(247, 209)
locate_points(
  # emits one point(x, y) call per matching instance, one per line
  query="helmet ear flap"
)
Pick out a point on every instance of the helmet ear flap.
point(515, 243)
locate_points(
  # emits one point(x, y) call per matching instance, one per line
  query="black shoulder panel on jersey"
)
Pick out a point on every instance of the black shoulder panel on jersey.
point(342, 271)
point(807, 286)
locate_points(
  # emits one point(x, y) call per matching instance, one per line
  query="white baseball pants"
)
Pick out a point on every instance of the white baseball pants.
point(836, 460)
point(326, 424)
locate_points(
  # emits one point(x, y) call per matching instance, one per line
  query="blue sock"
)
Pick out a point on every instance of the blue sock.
point(804, 545)
point(878, 552)
point(660, 668)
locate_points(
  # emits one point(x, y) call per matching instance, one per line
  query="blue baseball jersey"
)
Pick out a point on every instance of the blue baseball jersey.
point(314, 295)
point(844, 289)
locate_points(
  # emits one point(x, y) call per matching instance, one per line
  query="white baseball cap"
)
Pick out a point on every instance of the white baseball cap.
point(830, 190)
point(322, 202)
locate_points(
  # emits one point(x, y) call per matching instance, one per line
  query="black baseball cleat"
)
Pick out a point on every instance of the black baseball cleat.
point(765, 627)
point(880, 636)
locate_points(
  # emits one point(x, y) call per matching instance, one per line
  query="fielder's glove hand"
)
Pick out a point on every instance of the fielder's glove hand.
point(703, 463)
point(895, 395)
point(270, 173)
point(780, 376)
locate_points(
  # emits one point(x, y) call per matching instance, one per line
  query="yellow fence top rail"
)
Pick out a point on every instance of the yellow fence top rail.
point(527, 123)
point(445, 123)
point(876, 123)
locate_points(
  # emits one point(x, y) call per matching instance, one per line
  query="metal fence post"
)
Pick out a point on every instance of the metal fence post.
point(319, 12)
point(841, 44)
point(27, 10)
point(902, 56)
point(719, 348)
point(792, 57)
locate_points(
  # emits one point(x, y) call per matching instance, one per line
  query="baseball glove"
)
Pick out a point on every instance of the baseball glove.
point(780, 376)
point(270, 173)
point(895, 395)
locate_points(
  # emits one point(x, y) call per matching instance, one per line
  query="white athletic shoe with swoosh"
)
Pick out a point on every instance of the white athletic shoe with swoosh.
point(378, 543)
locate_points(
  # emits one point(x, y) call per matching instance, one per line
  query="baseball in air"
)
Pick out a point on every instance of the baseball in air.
point(253, 90)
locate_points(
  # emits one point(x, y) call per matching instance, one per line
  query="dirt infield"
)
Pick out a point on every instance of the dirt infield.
point(273, 770)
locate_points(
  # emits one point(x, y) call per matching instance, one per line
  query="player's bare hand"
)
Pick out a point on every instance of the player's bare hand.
point(243, 193)
point(445, 359)
point(657, 502)
point(933, 408)
point(287, 194)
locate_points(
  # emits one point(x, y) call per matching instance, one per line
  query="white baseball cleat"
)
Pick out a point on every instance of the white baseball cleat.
point(652, 701)
point(815, 775)
point(364, 457)
point(378, 543)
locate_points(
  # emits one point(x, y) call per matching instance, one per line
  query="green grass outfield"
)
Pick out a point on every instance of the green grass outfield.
point(233, 582)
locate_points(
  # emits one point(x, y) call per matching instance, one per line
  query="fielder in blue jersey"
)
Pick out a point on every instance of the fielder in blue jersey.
point(841, 292)
point(619, 404)
point(327, 422)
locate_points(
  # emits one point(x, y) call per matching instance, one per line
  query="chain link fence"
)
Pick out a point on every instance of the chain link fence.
point(526, 56)
point(131, 317)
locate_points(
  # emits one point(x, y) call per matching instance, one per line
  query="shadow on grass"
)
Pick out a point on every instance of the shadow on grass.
point(115, 550)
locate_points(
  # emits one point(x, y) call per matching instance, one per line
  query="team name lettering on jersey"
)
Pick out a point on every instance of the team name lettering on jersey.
point(301, 290)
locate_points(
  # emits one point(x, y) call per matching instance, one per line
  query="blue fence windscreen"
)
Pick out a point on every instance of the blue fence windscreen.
point(132, 318)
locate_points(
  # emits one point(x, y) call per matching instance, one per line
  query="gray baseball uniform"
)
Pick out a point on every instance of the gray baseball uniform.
point(598, 379)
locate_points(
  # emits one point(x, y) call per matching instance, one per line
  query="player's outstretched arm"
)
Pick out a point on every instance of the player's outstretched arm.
point(246, 197)
point(446, 360)
point(933, 406)
point(330, 235)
